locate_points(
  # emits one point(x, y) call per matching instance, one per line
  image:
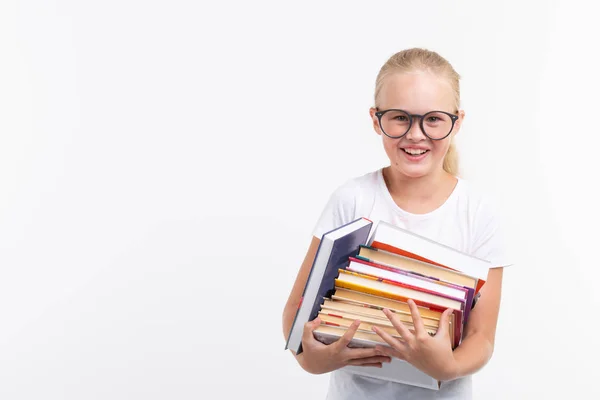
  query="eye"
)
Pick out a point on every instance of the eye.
point(435, 118)
point(397, 117)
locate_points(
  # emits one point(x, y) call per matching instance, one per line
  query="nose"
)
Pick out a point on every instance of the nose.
point(415, 133)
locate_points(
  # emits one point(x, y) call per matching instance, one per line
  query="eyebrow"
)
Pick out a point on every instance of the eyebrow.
point(411, 112)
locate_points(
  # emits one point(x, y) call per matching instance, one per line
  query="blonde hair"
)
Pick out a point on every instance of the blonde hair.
point(417, 59)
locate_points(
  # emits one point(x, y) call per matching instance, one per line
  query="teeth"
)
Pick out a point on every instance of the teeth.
point(415, 152)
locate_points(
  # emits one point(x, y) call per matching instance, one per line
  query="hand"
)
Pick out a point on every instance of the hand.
point(431, 354)
point(319, 358)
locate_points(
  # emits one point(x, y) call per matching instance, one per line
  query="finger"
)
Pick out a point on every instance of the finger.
point(444, 326)
point(395, 343)
point(400, 327)
point(348, 335)
point(352, 353)
point(389, 351)
point(416, 317)
point(376, 365)
point(369, 360)
point(309, 327)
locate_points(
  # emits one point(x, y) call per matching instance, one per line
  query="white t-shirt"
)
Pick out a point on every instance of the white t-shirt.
point(466, 221)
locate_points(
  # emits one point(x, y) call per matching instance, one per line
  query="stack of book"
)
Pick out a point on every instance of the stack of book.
point(359, 270)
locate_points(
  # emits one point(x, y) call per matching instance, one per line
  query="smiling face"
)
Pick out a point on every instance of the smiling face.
point(415, 155)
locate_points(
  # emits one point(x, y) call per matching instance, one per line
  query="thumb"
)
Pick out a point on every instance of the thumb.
point(315, 323)
point(309, 327)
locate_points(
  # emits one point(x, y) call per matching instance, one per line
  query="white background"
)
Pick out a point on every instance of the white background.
point(162, 165)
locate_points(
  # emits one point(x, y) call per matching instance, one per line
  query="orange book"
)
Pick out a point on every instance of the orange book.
point(396, 291)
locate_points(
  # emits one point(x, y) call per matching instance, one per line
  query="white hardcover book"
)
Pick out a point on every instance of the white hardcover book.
point(397, 370)
point(386, 236)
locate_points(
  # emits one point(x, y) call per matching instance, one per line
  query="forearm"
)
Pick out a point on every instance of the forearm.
point(473, 354)
point(289, 312)
point(295, 297)
point(477, 347)
point(288, 317)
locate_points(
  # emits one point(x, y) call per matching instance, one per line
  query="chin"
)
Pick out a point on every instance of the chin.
point(413, 171)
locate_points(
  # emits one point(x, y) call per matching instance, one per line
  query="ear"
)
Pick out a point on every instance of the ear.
point(458, 123)
point(372, 112)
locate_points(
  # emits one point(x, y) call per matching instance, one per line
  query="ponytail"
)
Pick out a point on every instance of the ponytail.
point(451, 160)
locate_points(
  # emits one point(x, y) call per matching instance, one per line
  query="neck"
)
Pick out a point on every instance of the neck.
point(419, 194)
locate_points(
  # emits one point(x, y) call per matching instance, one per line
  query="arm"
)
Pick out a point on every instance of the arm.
point(433, 355)
point(478, 341)
point(293, 301)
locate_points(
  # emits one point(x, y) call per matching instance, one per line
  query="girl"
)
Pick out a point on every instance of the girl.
point(417, 115)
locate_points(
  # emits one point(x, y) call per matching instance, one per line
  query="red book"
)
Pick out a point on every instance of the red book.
point(396, 240)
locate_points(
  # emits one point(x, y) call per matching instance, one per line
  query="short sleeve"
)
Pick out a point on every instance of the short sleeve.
point(489, 241)
point(338, 210)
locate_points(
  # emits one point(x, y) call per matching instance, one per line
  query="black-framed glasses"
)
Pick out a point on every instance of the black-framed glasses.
point(436, 125)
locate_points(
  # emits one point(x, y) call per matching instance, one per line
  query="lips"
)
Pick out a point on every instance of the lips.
point(415, 152)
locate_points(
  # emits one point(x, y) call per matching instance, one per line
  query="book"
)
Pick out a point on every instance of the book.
point(359, 269)
point(398, 263)
point(394, 290)
point(407, 278)
point(400, 241)
point(344, 319)
point(333, 253)
point(397, 370)
point(420, 283)
point(360, 310)
point(379, 303)
point(389, 290)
